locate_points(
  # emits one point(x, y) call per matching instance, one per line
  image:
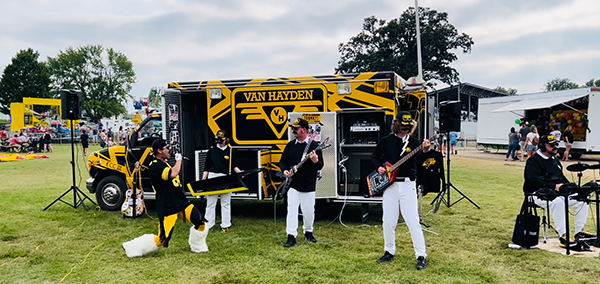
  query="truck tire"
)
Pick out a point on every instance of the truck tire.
point(110, 193)
point(576, 156)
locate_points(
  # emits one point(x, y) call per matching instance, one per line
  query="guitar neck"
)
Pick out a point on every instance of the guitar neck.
point(408, 156)
point(321, 146)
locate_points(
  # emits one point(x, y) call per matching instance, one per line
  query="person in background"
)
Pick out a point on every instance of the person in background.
point(103, 139)
point(47, 138)
point(15, 143)
point(513, 143)
point(532, 141)
point(453, 142)
point(556, 132)
point(568, 137)
point(3, 135)
point(525, 129)
point(84, 139)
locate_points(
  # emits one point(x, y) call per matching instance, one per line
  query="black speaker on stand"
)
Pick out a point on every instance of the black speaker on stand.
point(449, 122)
point(71, 110)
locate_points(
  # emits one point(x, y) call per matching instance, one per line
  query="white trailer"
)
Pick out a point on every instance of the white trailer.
point(579, 108)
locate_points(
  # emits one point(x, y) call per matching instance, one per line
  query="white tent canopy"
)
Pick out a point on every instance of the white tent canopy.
point(539, 103)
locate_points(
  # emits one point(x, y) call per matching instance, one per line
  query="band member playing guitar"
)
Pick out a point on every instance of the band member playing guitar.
point(402, 193)
point(303, 185)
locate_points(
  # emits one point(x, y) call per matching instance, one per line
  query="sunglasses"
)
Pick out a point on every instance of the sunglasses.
point(166, 147)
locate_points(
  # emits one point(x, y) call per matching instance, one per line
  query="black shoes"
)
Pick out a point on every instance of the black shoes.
point(584, 236)
point(309, 237)
point(291, 241)
point(387, 257)
point(421, 263)
point(563, 243)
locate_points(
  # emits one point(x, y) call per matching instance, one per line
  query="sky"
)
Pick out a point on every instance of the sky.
point(518, 44)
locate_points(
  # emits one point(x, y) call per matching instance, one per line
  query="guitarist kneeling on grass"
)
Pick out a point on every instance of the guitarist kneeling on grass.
point(302, 188)
point(402, 193)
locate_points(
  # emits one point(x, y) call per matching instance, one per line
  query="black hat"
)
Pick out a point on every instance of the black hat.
point(158, 144)
point(548, 139)
point(300, 123)
point(405, 118)
point(222, 134)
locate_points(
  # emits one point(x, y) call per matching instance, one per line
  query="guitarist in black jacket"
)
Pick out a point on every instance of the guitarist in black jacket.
point(402, 193)
point(303, 185)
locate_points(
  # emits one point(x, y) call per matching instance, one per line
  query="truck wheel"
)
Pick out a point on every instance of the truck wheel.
point(576, 156)
point(110, 193)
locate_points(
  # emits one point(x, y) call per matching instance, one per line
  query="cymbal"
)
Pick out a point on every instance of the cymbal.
point(579, 167)
point(594, 167)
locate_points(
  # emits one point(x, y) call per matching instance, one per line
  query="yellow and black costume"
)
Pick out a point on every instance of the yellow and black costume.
point(171, 203)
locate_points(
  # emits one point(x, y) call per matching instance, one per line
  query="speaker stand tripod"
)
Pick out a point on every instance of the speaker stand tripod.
point(78, 195)
point(444, 195)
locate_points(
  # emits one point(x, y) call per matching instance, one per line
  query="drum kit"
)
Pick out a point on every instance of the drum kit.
point(582, 192)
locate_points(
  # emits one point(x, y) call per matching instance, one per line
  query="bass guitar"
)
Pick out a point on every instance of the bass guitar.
point(285, 185)
point(379, 182)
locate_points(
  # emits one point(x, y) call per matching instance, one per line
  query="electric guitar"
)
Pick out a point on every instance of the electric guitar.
point(378, 183)
point(285, 185)
point(133, 206)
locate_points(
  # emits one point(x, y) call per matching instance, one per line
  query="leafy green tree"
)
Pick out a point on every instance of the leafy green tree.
point(592, 83)
point(24, 77)
point(104, 76)
point(509, 91)
point(558, 84)
point(392, 46)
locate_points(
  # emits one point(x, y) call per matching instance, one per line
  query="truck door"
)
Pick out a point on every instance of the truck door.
point(141, 148)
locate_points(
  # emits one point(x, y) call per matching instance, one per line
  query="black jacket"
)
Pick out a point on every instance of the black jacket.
point(430, 170)
point(542, 173)
point(305, 179)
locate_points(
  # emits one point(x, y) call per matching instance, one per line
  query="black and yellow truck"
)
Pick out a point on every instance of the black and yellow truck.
point(353, 110)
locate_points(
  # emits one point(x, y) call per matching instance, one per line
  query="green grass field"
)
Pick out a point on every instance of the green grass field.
point(66, 245)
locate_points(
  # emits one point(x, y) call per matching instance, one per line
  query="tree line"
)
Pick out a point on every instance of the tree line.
point(104, 76)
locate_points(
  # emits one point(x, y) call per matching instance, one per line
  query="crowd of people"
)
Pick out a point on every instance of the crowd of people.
point(26, 142)
point(523, 143)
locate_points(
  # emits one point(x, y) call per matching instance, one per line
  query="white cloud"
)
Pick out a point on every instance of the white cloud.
point(569, 16)
point(501, 65)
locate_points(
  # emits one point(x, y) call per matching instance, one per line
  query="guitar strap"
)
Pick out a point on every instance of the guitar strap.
point(308, 140)
point(230, 158)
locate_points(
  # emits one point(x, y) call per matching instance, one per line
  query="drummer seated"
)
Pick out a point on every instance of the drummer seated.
point(544, 171)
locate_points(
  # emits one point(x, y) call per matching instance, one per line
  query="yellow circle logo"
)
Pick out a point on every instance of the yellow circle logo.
point(278, 115)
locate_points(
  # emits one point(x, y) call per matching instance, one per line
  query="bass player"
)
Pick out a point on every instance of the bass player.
point(302, 188)
point(402, 193)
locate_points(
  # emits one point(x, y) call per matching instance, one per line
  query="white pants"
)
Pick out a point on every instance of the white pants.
point(211, 204)
point(557, 209)
point(305, 201)
point(402, 196)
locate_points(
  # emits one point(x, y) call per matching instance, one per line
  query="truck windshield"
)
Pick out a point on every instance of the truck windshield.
point(150, 131)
